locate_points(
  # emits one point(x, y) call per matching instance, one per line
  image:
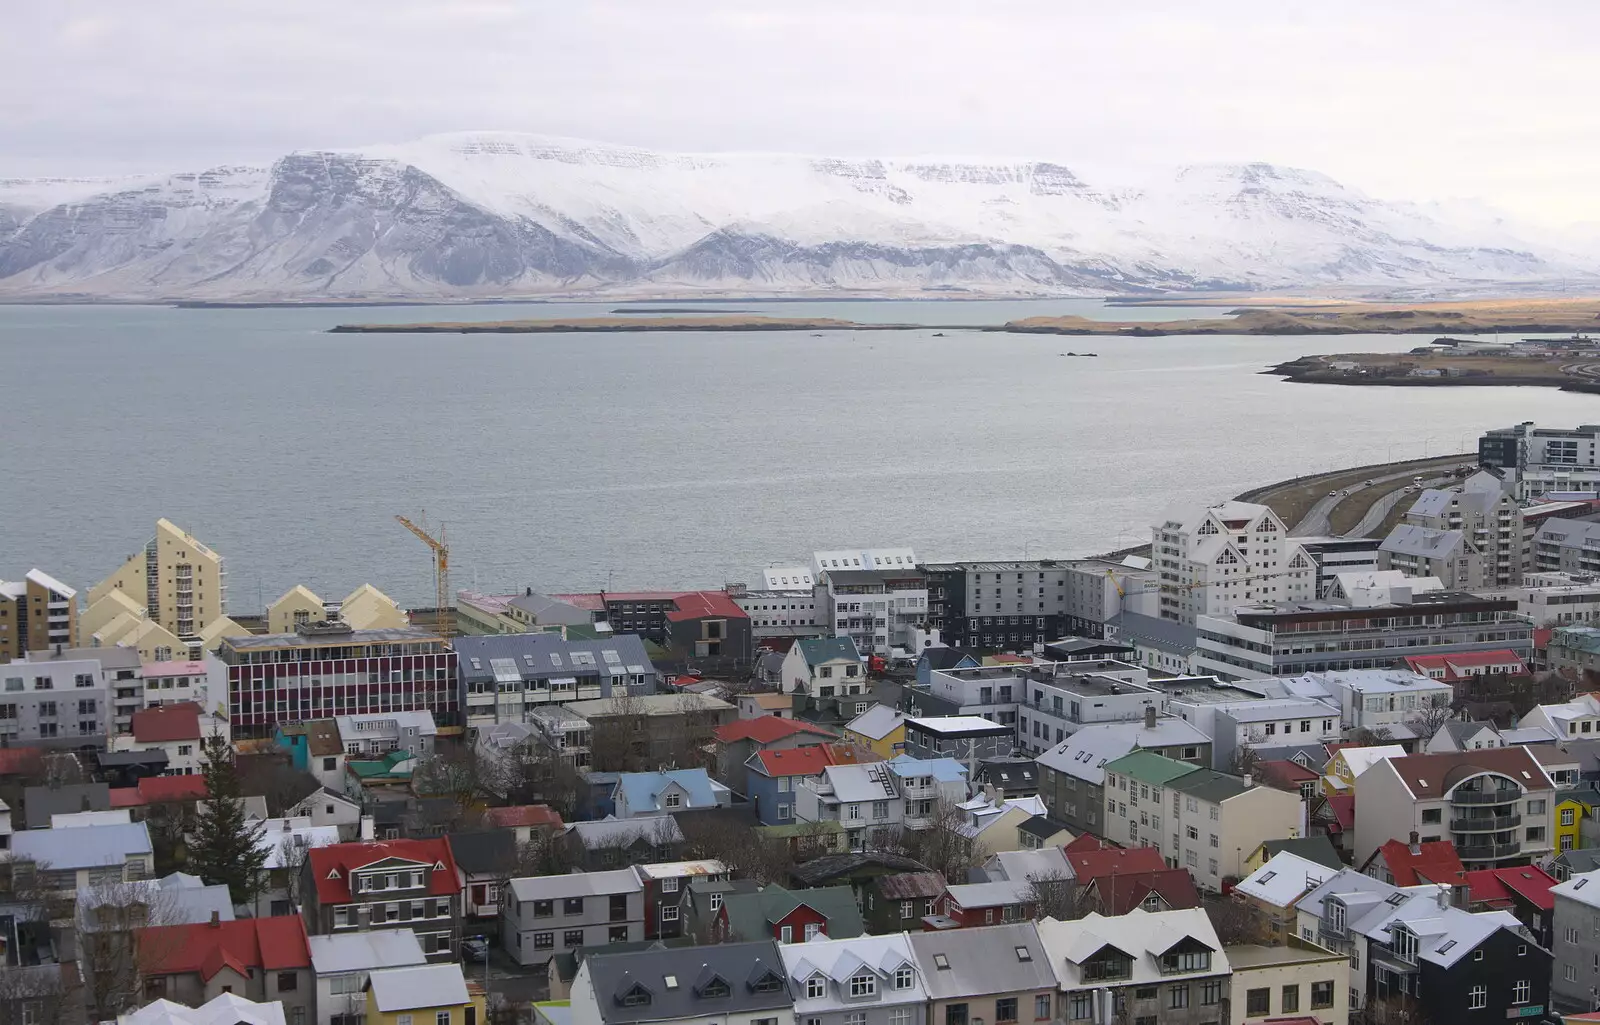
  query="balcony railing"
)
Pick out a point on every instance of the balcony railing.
point(1490, 852)
point(1508, 796)
point(1485, 823)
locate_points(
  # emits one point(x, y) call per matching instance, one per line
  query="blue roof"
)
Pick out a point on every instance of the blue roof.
point(817, 650)
point(945, 770)
point(642, 788)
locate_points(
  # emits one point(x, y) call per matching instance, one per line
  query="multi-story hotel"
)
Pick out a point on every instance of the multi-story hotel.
point(329, 669)
point(36, 612)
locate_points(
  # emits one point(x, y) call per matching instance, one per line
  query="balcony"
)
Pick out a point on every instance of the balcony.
point(1490, 852)
point(1507, 796)
point(919, 790)
point(1485, 823)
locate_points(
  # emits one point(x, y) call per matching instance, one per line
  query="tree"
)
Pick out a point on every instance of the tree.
point(619, 740)
point(224, 848)
point(1376, 736)
point(271, 773)
point(1428, 722)
point(944, 845)
point(1054, 894)
point(113, 922)
point(1235, 921)
point(293, 853)
point(1245, 761)
point(46, 994)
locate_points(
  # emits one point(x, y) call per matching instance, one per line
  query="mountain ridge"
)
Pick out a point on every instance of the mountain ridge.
point(500, 215)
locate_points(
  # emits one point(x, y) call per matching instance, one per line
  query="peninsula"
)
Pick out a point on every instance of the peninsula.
point(1268, 316)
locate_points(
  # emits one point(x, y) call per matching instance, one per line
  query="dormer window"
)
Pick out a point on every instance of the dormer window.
point(816, 987)
point(863, 985)
point(636, 996)
point(1404, 944)
point(673, 800)
point(904, 977)
point(768, 983)
point(715, 989)
point(1193, 961)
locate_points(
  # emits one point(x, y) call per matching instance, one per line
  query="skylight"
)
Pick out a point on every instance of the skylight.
point(1396, 899)
point(941, 962)
point(1580, 884)
point(1447, 945)
point(1268, 877)
point(1024, 954)
point(671, 981)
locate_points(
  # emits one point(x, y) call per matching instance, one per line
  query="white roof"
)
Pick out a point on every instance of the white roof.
point(85, 847)
point(405, 989)
point(1285, 879)
point(1143, 935)
point(957, 724)
point(50, 583)
point(364, 951)
point(77, 819)
point(876, 722)
point(788, 578)
point(988, 895)
point(296, 831)
point(576, 884)
point(678, 869)
point(1043, 863)
point(1085, 753)
point(384, 724)
point(1585, 888)
point(868, 782)
point(839, 960)
point(1374, 681)
point(1581, 707)
point(1360, 759)
point(224, 1009)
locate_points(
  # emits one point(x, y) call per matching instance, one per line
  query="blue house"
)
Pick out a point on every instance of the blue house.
point(772, 777)
point(657, 793)
point(933, 659)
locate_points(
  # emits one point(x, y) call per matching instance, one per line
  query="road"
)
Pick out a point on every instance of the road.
point(1382, 506)
point(1315, 522)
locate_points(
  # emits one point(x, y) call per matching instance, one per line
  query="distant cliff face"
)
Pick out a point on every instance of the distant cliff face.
point(495, 214)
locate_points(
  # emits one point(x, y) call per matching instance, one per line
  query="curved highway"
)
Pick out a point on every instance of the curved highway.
point(1315, 522)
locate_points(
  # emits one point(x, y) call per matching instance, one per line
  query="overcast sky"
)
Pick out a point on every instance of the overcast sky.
point(1407, 99)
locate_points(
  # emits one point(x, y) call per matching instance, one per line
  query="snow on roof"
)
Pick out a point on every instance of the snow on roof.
point(1360, 759)
point(364, 951)
point(418, 986)
point(1283, 880)
point(876, 722)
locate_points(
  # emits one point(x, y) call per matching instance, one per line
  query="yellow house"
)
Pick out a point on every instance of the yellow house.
point(180, 583)
point(113, 606)
point(295, 606)
point(1571, 807)
point(880, 729)
point(365, 608)
point(1340, 774)
point(433, 994)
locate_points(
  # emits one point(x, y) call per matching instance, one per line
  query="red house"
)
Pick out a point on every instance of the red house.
point(974, 904)
point(788, 916)
point(1410, 864)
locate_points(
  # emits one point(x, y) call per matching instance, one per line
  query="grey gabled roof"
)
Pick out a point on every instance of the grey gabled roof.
point(615, 832)
point(548, 611)
point(1317, 848)
point(42, 802)
point(678, 982)
point(1209, 785)
point(998, 959)
point(1426, 542)
point(817, 650)
point(1165, 634)
point(531, 654)
point(484, 851)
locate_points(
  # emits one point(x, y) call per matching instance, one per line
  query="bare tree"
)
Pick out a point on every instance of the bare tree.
point(45, 994)
point(747, 853)
point(1374, 736)
point(1054, 894)
point(62, 768)
point(272, 774)
point(619, 740)
point(294, 851)
point(944, 845)
point(1235, 920)
point(1245, 761)
point(534, 773)
point(113, 922)
point(1428, 722)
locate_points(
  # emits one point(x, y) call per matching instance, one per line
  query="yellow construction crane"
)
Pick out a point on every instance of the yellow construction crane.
point(441, 575)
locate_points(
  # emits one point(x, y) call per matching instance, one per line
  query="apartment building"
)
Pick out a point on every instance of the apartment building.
point(1487, 544)
point(1335, 555)
point(352, 887)
point(365, 608)
point(506, 678)
point(1575, 977)
point(36, 613)
point(179, 582)
point(1578, 719)
point(1495, 805)
point(1448, 556)
point(864, 980)
point(1236, 553)
point(175, 682)
point(1017, 605)
point(1237, 720)
point(881, 797)
point(969, 739)
point(69, 698)
point(1166, 966)
point(1280, 981)
point(786, 612)
point(1072, 773)
point(178, 731)
point(877, 597)
point(1291, 638)
point(548, 915)
point(1543, 460)
point(327, 669)
point(1213, 821)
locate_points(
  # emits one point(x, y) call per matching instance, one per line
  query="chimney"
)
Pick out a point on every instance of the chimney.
point(58, 650)
point(1249, 779)
point(1460, 896)
point(1444, 897)
point(989, 794)
point(216, 919)
point(1150, 717)
point(1416, 844)
point(368, 831)
point(528, 593)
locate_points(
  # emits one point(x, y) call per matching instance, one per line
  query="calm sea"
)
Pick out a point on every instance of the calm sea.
point(571, 462)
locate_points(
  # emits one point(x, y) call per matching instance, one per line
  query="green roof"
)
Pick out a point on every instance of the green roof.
point(1149, 767)
point(384, 766)
point(1211, 786)
point(753, 916)
point(801, 829)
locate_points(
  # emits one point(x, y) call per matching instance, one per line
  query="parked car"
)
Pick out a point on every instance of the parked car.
point(475, 948)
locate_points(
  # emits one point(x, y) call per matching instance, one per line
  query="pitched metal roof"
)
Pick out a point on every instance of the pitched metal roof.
point(417, 987)
point(364, 951)
point(753, 915)
point(729, 980)
point(818, 650)
point(998, 959)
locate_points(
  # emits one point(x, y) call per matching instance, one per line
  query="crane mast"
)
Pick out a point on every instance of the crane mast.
point(441, 575)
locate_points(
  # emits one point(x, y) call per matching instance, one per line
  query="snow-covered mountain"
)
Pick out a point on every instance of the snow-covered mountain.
point(499, 214)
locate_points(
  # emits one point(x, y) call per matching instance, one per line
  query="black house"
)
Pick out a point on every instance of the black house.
point(1459, 967)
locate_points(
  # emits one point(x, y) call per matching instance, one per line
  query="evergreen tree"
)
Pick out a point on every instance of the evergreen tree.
point(224, 849)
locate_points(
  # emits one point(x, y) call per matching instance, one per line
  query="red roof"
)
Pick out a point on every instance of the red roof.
point(1089, 842)
point(699, 604)
point(1281, 769)
point(523, 815)
point(1453, 664)
point(331, 865)
point(1344, 810)
point(1435, 862)
point(20, 761)
point(268, 944)
point(765, 729)
point(1121, 892)
point(156, 789)
point(126, 797)
point(1089, 865)
point(1496, 885)
point(169, 722)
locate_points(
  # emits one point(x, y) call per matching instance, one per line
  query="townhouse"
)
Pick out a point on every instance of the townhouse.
point(865, 980)
point(1495, 805)
point(1237, 721)
point(255, 958)
point(1000, 975)
point(549, 915)
point(506, 678)
point(1072, 773)
point(178, 731)
point(412, 883)
point(1147, 967)
point(772, 777)
point(731, 983)
point(881, 797)
point(664, 885)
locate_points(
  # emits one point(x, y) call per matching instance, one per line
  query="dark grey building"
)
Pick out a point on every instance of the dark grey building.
point(505, 677)
point(732, 982)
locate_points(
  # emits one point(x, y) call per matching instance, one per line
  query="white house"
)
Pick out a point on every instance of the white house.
point(881, 796)
point(173, 683)
point(342, 964)
point(324, 807)
point(824, 667)
point(1164, 962)
point(867, 980)
point(178, 730)
point(1235, 553)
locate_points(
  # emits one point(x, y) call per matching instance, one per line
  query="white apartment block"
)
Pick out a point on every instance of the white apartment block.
point(1557, 599)
point(1236, 719)
point(1489, 521)
point(1236, 553)
point(65, 702)
point(877, 597)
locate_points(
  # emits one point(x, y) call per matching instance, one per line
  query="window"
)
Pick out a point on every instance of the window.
point(1522, 992)
point(1290, 1001)
point(1177, 997)
point(673, 800)
point(1041, 1007)
point(856, 1018)
point(402, 1019)
point(1080, 1006)
point(903, 978)
point(669, 912)
point(1567, 817)
point(617, 934)
point(443, 1018)
point(785, 934)
point(669, 885)
point(544, 941)
point(1431, 816)
point(1321, 995)
point(572, 938)
point(1211, 993)
point(1404, 943)
point(1478, 997)
point(906, 909)
point(1258, 1001)
point(863, 985)
point(1005, 1009)
point(900, 1016)
point(815, 987)
point(572, 906)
